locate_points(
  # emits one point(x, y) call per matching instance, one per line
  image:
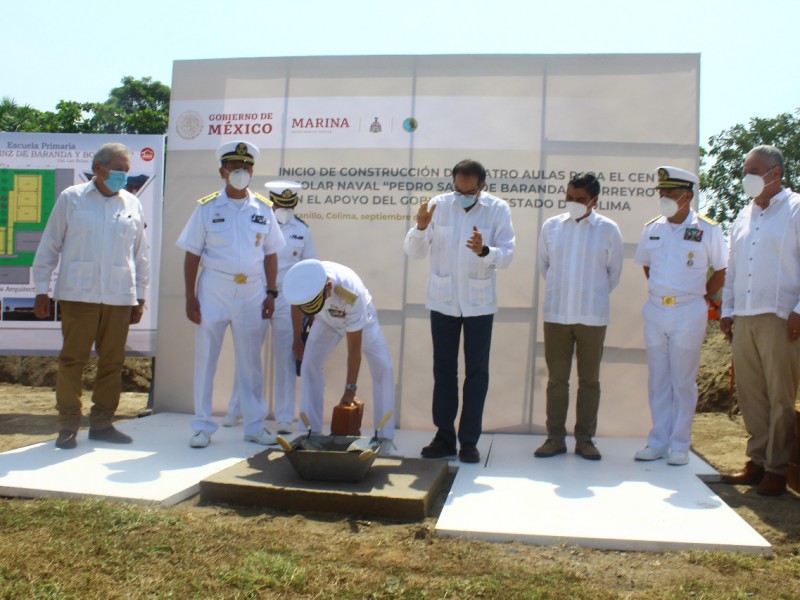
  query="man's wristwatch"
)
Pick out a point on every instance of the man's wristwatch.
point(484, 252)
point(273, 293)
point(351, 387)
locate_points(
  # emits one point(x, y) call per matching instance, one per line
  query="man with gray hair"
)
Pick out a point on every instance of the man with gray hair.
point(761, 317)
point(97, 230)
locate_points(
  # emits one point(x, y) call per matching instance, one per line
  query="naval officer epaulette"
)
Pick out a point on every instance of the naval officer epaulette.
point(263, 199)
point(207, 199)
point(653, 220)
point(708, 220)
point(345, 294)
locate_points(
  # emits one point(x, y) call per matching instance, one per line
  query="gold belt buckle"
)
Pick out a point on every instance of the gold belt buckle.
point(240, 278)
point(668, 300)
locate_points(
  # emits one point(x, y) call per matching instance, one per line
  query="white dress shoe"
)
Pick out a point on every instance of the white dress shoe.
point(285, 427)
point(200, 439)
point(649, 453)
point(231, 420)
point(389, 449)
point(263, 437)
point(678, 458)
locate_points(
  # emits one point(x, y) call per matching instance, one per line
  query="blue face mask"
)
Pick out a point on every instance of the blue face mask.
point(116, 180)
point(465, 201)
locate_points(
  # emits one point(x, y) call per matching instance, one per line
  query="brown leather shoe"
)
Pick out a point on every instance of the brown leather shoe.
point(772, 485)
point(750, 475)
point(550, 448)
point(110, 434)
point(587, 450)
point(67, 439)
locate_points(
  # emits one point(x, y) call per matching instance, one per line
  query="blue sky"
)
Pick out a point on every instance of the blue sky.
point(750, 63)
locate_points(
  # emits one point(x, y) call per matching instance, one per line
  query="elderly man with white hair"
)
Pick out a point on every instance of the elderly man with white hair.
point(97, 230)
point(761, 315)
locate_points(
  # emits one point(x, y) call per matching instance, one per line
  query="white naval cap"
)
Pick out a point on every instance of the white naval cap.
point(283, 193)
point(673, 177)
point(238, 150)
point(304, 285)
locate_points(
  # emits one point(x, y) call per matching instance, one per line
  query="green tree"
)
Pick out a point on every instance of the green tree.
point(17, 118)
point(136, 106)
point(721, 182)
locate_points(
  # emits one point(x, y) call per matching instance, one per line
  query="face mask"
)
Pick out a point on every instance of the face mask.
point(465, 201)
point(668, 206)
point(116, 180)
point(239, 179)
point(576, 210)
point(283, 215)
point(753, 185)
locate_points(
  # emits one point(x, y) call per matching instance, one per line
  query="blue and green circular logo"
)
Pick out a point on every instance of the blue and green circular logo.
point(410, 124)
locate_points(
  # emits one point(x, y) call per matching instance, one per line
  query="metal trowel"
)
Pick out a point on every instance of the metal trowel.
point(364, 444)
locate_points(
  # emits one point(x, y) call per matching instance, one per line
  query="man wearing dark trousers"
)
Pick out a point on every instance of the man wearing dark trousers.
point(469, 235)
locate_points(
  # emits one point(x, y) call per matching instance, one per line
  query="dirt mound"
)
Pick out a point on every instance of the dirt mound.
point(714, 374)
point(40, 371)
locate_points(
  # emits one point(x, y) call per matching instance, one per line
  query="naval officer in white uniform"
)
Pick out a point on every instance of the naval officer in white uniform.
point(676, 249)
point(299, 246)
point(343, 307)
point(233, 237)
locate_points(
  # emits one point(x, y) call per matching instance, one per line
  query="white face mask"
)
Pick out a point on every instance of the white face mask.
point(668, 206)
point(283, 215)
point(753, 185)
point(239, 179)
point(576, 210)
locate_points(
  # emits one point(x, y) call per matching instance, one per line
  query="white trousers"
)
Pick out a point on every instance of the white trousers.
point(321, 341)
point(285, 368)
point(224, 303)
point(673, 336)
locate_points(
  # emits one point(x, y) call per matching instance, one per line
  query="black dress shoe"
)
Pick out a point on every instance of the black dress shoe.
point(110, 434)
point(469, 454)
point(438, 448)
point(67, 439)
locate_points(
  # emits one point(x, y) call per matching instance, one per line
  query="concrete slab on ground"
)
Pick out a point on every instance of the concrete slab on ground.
point(393, 488)
point(616, 503)
point(159, 467)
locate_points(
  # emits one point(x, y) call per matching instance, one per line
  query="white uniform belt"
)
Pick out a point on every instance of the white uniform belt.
point(672, 300)
point(237, 278)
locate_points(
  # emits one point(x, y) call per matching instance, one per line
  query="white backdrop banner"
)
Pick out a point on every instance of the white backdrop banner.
point(370, 138)
point(34, 169)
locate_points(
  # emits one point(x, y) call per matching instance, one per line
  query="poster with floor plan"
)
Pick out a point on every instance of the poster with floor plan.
point(34, 169)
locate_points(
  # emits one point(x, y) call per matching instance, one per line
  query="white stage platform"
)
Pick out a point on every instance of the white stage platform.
point(616, 503)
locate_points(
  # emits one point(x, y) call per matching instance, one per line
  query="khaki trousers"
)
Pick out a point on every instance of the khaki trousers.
point(559, 342)
point(767, 367)
point(84, 324)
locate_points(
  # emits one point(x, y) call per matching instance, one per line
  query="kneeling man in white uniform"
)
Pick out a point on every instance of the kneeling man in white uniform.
point(342, 306)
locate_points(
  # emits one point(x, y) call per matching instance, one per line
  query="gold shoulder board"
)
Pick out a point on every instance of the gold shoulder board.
point(708, 220)
point(207, 199)
point(345, 294)
point(653, 220)
point(263, 199)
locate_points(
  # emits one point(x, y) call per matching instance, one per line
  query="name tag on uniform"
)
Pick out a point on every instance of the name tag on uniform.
point(260, 219)
point(655, 237)
point(220, 220)
point(693, 235)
